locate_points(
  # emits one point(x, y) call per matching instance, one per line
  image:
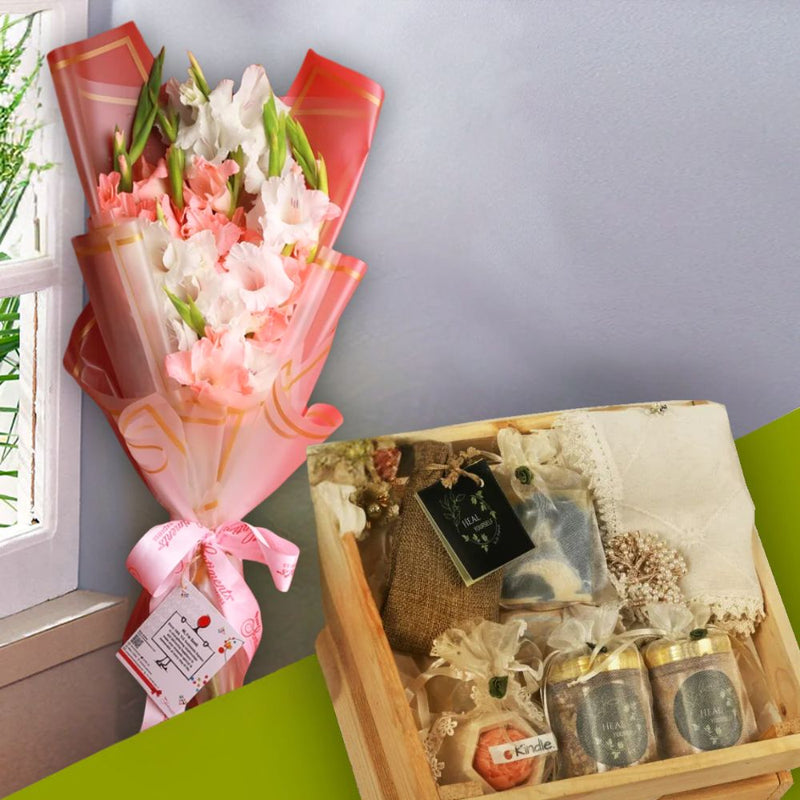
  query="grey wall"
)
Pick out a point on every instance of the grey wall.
point(567, 204)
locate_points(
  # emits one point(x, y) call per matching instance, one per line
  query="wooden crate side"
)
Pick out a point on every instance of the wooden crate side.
point(686, 774)
point(785, 782)
point(776, 643)
point(486, 429)
point(366, 664)
point(369, 775)
point(762, 787)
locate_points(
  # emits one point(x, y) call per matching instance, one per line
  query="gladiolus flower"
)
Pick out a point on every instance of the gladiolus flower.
point(259, 275)
point(207, 184)
point(290, 213)
point(214, 368)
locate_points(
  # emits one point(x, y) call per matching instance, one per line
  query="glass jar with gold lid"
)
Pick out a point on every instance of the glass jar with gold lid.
point(700, 699)
point(601, 712)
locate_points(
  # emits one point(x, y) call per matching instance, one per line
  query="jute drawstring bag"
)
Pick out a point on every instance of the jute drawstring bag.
point(426, 595)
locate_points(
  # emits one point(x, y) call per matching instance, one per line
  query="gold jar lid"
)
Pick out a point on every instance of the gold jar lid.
point(663, 652)
point(574, 667)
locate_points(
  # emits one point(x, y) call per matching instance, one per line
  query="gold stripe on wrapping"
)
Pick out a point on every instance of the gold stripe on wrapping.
point(288, 422)
point(159, 420)
point(82, 334)
point(271, 422)
point(86, 328)
point(125, 41)
point(150, 447)
point(203, 421)
point(107, 245)
point(318, 70)
point(352, 273)
point(350, 85)
point(306, 86)
point(287, 368)
point(223, 462)
point(107, 98)
point(332, 112)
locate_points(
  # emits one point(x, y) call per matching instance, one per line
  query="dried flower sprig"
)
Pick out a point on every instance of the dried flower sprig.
point(644, 569)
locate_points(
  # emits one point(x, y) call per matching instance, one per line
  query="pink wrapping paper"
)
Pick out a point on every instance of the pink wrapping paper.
point(204, 463)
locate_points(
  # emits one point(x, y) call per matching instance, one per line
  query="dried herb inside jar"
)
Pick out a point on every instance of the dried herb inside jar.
point(604, 722)
point(700, 700)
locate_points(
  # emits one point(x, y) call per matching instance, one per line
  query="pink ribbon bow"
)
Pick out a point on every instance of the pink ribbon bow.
point(161, 557)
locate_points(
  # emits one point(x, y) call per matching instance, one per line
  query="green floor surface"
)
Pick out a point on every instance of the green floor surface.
point(274, 739)
point(770, 459)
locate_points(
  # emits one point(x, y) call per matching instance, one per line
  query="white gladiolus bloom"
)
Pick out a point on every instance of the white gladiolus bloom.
point(192, 272)
point(258, 275)
point(290, 213)
point(190, 263)
point(260, 361)
point(227, 120)
point(182, 334)
point(156, 239)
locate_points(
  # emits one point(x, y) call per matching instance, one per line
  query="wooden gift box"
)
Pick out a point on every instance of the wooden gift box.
point(377, 723)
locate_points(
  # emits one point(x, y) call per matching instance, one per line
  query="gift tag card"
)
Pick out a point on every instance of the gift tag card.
point(176, 651)
point(516, 750)
point(476, 524)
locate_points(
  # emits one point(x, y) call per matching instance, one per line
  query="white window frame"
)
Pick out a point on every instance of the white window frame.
point(39, 561)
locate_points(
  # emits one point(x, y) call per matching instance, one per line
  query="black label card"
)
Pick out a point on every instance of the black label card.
point(476, 524)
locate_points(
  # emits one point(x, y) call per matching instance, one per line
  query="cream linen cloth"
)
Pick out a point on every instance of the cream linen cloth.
point(673, 470)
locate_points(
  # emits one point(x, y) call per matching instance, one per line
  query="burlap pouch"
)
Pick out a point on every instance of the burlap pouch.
point(426, 595)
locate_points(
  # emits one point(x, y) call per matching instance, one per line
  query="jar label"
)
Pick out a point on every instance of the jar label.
point(611, 724)
point(707, 711)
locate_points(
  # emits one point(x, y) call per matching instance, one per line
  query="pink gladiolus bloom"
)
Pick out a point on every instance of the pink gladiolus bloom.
point(213, 368)
point(153, 182)
point(274, 325)
point(114, 204)
point(207, 184)
point(140, 202)
point(107, 190)
point(226, 233)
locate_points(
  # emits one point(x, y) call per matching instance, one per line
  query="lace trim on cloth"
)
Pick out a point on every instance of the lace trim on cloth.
point(432, 741)
point(740, 608)
point(580, 444)
point(738, 615)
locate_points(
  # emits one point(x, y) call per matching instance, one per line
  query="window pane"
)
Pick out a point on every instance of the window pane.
point(23, 150)
point(9, 410)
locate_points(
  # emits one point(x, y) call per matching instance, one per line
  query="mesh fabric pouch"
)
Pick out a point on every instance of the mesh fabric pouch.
point(555, 506)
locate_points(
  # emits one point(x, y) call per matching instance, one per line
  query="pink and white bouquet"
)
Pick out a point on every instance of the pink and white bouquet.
point(214, 294)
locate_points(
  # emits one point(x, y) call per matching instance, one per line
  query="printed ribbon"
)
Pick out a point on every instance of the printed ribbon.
point(162, 557)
